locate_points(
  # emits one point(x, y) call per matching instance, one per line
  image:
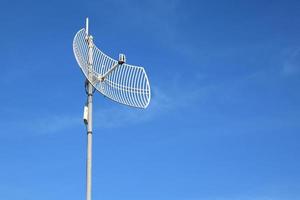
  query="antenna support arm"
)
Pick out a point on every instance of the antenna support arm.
point(102, 78)
point(121, 61)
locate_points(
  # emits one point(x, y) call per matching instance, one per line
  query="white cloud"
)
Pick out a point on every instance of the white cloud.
point(292, 65)
point(41, 125)
point(166, 98)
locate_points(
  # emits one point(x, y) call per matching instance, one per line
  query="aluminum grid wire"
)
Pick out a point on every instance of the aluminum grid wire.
point(126, 84)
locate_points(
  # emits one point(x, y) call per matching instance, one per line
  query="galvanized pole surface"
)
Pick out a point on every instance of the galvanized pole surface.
point(89, 144)
point(90, 119)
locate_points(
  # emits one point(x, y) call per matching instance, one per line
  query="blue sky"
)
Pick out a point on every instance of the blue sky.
point(223, 123)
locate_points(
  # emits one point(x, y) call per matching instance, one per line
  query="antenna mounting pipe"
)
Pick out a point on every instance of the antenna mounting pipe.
point(87, 26)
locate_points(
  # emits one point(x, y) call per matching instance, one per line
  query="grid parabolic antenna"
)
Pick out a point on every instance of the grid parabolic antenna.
point(123, 83)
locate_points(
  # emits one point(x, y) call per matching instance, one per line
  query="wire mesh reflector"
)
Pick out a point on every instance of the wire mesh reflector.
point(126, 84)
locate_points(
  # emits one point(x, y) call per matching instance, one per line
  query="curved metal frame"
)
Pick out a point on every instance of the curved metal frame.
point(126, 84)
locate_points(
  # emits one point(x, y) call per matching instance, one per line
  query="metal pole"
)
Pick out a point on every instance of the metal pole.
point(89, 144)
point(90, 122)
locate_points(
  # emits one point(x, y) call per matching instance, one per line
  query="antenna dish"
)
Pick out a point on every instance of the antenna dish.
point(123, 83)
